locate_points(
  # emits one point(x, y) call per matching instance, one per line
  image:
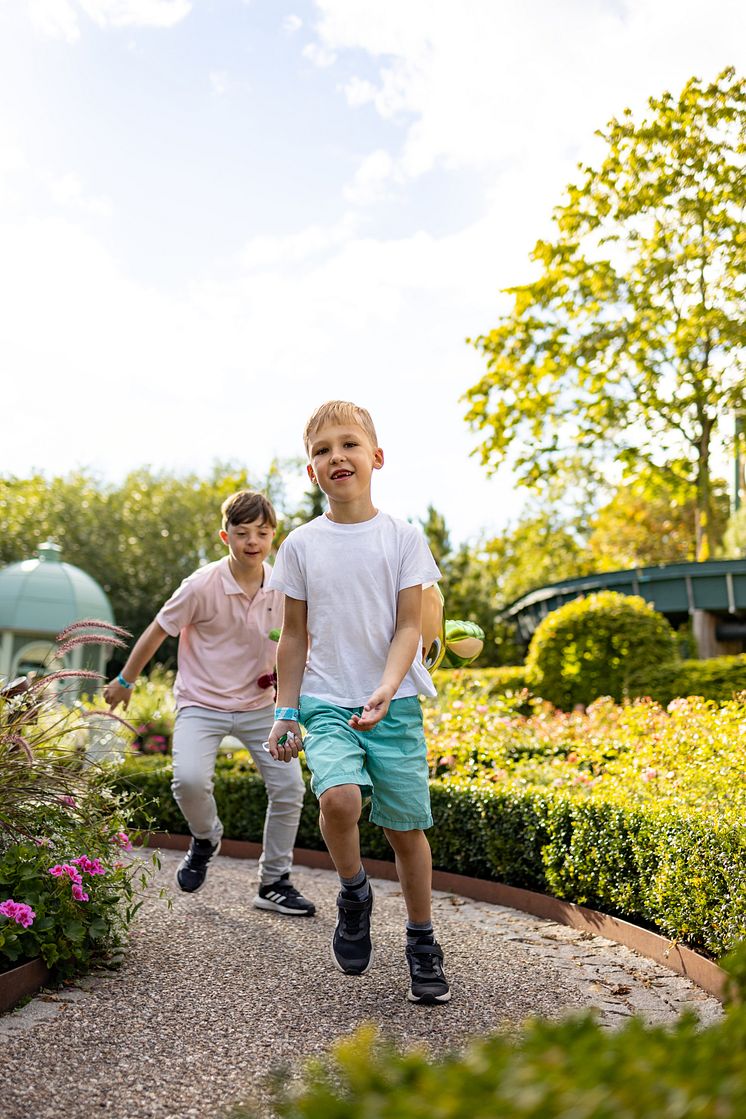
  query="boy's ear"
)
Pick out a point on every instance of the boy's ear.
point(311, 475)
point(223, 535)
point(378, 458)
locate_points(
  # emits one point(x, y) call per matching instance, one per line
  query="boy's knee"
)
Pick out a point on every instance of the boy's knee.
point(186, 785)
point(341, 804)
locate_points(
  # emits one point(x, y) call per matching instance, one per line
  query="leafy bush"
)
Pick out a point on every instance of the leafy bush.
point(630, 809)
point(67, 891)
point(717, 678)
point(551, 1070)
point(592, 646)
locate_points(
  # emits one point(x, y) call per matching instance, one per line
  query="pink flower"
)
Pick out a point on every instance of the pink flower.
point(649, 774)
point(121, 839)
point(56, 871)
point(19, 912)
point(69, 801)
point(78, 893)
point(89, 866)
point(482, 708)
point(70, 871)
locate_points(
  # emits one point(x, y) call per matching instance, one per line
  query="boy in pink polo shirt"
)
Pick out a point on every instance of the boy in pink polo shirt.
point(223, 614)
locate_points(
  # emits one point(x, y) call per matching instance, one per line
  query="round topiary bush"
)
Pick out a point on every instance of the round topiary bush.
point(597, 646)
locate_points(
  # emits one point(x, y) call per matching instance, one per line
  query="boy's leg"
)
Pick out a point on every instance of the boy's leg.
point(414, 866)
point(428, 985)
point(285, 793)
point(339, 815)
point(197, 735)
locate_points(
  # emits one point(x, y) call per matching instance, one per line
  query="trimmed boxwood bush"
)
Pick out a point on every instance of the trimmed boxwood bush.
point(592, 646)
point(667, 869)
point(717, 678)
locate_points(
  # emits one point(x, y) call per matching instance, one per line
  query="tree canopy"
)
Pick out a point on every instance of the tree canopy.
point(629, 346)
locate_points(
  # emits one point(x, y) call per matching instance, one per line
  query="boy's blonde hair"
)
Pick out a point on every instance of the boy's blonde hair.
point(245, 506)
point(338, 412)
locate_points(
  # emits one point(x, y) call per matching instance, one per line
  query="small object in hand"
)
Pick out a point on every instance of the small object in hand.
point(280, 741)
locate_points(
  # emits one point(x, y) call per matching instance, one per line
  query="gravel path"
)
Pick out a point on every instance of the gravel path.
point(213, 995)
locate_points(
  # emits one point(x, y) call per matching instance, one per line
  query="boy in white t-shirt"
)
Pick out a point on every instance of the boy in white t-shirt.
point(223, 614)
point(350, 670)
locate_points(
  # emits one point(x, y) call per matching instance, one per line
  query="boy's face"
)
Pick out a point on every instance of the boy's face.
point(249, 543)
point(343, 459)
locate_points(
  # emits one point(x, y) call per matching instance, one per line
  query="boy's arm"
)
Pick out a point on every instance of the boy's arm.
point(403, 650)
point(292, 653)
point(146, 646)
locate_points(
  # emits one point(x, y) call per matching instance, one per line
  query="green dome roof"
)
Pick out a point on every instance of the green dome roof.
point(44, 595)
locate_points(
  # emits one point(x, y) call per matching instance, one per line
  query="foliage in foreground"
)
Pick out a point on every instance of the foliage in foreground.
point(553, 1070)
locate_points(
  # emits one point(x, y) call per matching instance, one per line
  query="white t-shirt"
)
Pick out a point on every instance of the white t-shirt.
point(350, 576)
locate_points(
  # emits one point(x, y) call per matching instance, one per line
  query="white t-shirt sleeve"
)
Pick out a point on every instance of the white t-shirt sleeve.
point(417, 563)
point(288, 574)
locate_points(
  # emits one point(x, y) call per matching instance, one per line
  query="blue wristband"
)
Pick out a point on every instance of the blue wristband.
point(287, 713)
point(121, 680)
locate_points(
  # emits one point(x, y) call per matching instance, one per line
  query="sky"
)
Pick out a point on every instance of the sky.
point(216, 214)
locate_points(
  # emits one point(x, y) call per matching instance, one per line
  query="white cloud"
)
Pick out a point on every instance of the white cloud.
point(60, 18)
point(359, 92)
point(486, 84)
point(291, 24)
point(372, 179)
point(68, 191)
point(219, 82)
point(319, 55)
point(56, 18)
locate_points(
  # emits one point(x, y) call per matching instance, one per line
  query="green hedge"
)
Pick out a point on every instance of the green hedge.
point(718, 678)
point(661, 868)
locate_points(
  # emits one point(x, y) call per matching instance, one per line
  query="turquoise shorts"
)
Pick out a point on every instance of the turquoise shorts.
point(388, 762)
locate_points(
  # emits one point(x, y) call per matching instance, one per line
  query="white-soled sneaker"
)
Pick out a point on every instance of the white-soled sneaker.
point(282, 897)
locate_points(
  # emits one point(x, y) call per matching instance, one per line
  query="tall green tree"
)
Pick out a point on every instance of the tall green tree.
point(138, 538)
point(631, 342)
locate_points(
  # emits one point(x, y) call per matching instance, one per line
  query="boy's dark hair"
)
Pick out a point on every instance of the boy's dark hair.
point(245, 506)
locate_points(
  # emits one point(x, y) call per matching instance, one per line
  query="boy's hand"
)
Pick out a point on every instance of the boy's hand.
point(114, 694)
point(374, 710)
point(285, 742)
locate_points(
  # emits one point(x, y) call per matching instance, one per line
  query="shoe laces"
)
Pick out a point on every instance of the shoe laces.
point(427, 959)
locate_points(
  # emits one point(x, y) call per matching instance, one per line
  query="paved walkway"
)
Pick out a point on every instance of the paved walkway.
point(214, 994)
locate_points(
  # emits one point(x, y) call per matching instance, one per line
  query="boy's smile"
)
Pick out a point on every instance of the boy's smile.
point(249, 544)
point(342, 463)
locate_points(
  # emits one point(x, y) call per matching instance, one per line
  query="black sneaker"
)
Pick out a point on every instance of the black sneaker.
point(281, 897)
point(429, 984)
point(192, 870)
point(352, 948)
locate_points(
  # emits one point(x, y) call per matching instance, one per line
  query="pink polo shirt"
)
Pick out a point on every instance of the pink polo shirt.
point(224, 645)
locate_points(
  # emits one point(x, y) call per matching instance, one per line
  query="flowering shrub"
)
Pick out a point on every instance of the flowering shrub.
point(69, 890)
point(152, 711)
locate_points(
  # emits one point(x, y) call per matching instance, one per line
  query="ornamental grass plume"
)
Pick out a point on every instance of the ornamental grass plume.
point(40, 738)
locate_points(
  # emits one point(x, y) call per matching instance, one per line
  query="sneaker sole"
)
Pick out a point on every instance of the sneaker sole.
point(273, 907)
point(196, 889)
point(428, 1000)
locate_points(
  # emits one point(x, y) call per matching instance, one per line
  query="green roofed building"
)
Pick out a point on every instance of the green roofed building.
point(38, 598)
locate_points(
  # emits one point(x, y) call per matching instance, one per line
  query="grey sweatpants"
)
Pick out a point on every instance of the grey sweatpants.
point(198, 732)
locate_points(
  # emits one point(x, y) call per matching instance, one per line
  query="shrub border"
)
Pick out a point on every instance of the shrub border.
point(676, 957)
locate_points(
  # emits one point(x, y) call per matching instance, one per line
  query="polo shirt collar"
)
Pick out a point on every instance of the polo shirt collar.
point(230, 586)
